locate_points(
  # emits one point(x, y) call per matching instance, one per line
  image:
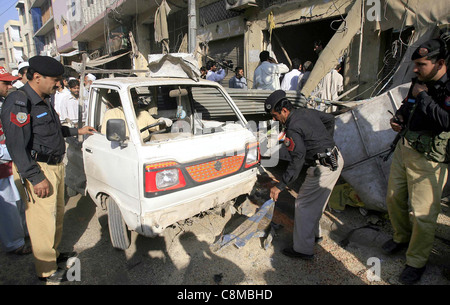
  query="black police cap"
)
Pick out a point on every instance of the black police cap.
point(430, 48)
point(273, 99)
point(46, 65)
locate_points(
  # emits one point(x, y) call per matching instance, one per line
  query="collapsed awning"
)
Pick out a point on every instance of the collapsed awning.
point(97, 62)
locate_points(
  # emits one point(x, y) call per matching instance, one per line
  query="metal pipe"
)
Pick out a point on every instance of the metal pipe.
point(192, 21)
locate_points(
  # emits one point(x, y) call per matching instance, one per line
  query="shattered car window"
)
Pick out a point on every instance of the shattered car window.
point(186, 111)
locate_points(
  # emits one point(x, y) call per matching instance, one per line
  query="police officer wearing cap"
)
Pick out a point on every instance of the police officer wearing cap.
point(419, 166)
point(309, 140)
point(35, 139)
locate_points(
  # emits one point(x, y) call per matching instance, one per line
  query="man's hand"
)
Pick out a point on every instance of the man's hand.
point(395, 123)
point(86, 130)
point(418, 88)
point(42, 189)
point(274, 192)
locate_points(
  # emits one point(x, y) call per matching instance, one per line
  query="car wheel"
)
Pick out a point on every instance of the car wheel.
point(118, 231)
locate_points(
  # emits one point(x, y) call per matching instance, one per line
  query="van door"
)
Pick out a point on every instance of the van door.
point(110, 168)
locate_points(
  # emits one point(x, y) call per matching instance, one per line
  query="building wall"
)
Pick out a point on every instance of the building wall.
point(43, 25)
point(296, 24)
point(61, 11)
point(3, 56)
point(14, 45)
point(26, 28)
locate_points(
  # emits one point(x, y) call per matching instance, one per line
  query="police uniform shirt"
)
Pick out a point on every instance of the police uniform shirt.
point(308, 132)
point(31, 123)
point(432, 111)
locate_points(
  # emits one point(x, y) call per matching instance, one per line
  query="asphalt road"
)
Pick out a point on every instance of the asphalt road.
point(183, 255)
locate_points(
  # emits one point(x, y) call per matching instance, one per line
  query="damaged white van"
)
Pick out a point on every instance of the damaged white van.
point(194, 153)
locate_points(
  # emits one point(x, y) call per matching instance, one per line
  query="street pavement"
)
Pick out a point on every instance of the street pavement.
point(349, 254)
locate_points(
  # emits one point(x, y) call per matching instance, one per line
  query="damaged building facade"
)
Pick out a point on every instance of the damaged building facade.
point(369, 37)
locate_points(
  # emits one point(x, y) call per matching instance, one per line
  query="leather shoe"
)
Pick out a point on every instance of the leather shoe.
point(64, 256)
point(292, 253)
point(58, 276)
point(411, 275)
point(391, 247)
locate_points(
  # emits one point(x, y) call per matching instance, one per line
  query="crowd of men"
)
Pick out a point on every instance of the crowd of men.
point(32, 148)
point(271, 75)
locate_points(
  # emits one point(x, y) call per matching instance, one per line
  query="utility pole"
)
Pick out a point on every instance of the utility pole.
point(192, 27)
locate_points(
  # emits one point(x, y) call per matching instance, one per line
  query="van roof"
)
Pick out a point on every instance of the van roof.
point(124, 82)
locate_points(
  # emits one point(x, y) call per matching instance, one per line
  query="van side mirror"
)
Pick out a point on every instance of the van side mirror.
point(116, 131)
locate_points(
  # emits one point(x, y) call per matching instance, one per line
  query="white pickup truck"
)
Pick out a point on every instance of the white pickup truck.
point(202, 156)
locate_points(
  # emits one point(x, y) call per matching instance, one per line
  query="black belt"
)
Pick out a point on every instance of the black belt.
point(49, 159)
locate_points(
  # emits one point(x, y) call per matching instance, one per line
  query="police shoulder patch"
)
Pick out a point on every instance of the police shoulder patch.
point(20, 119)
point(289, 144)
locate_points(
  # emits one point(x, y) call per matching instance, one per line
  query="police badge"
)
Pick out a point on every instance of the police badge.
point(289, 144)
point(423, 52)
point(20, 119)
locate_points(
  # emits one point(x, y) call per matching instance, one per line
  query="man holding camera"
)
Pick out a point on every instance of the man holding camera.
point(419, 166)
point(215, 72)
point(267, 74)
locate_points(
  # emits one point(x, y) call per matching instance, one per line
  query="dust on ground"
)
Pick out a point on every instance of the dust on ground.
point(350, 250)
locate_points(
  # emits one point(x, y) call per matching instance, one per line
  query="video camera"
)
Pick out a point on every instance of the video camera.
point(226, 64)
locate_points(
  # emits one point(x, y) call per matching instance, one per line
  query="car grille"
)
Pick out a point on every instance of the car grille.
point(214, 169)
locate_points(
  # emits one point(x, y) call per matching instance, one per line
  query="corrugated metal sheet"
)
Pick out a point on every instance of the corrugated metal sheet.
point(248, 101)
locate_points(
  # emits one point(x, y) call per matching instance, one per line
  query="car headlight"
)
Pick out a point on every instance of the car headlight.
point(167, 178)
point(163, 176)
point(252, 154)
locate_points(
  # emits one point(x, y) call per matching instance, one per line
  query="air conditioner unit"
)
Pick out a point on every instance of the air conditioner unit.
point(239, 5)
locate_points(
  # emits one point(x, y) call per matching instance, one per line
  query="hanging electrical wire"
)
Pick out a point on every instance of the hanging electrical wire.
point(14, 2)
point(344, 28)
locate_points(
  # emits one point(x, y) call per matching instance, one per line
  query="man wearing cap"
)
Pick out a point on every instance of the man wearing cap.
point(35, 139)
point(12, 211)
point(22, 72)
point(419, 166)
point(309, 141)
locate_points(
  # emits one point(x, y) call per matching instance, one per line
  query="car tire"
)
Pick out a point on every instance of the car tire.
point(118, 231)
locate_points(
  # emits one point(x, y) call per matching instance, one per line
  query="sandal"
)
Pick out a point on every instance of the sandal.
point(23, 250)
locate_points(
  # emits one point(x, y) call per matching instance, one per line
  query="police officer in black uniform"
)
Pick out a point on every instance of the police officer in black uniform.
point(309, 140)
point(35, 139)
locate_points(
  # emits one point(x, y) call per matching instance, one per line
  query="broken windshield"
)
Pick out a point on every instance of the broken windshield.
point(185, 110)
